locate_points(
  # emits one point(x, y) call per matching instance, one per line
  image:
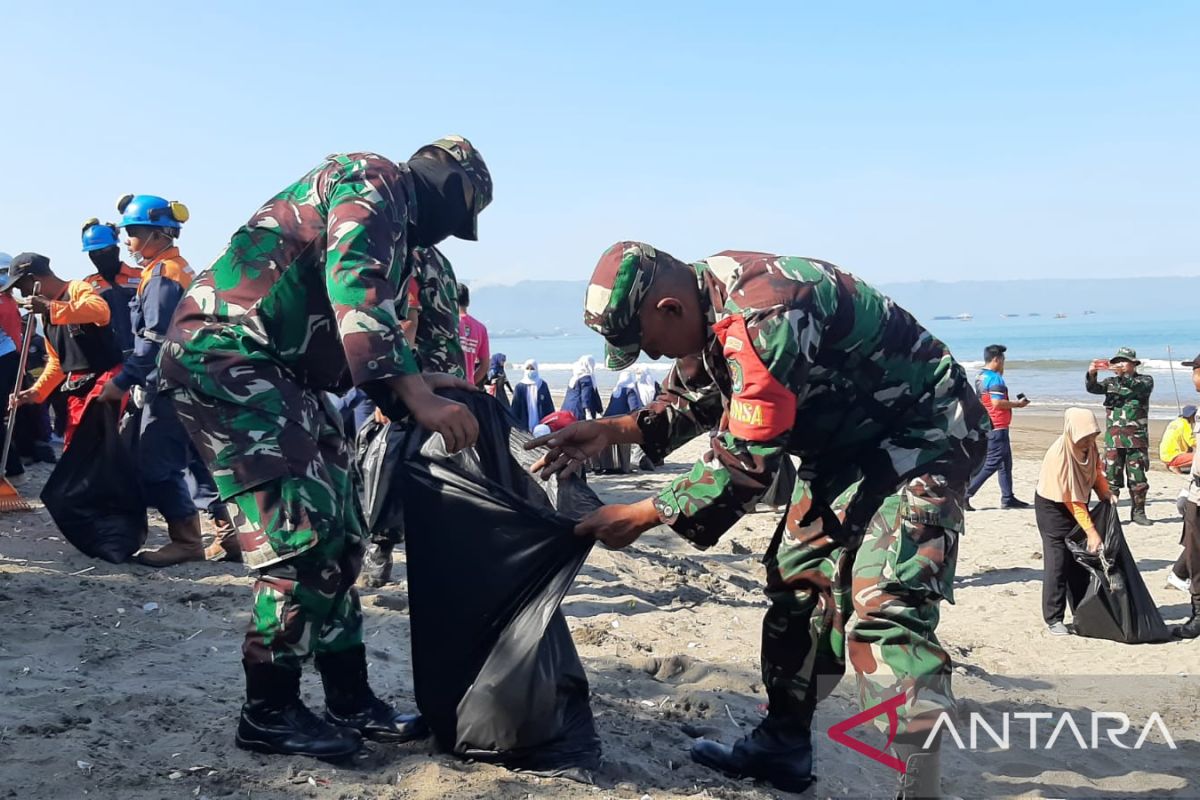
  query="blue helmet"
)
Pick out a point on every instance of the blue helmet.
point(152, 211)
point(98, 235)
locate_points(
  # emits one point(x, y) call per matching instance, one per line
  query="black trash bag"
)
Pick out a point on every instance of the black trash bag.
point(93, 494)
point(1113, 601)
point(490, 556)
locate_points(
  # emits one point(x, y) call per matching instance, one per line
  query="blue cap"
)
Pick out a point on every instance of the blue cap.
point(151, 210)
point(1188, 411)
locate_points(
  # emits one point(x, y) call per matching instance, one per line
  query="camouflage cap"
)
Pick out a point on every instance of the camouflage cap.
point(1125, 354)
point(472, 163)
point(618, 286)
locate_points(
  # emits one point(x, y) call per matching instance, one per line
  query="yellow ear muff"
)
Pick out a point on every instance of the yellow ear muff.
point(90, 222)
point(180, 212)
point(124, 201)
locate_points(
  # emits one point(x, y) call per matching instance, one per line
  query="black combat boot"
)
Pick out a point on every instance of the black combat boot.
point(275, 720)
point(922, 778)
point(350, 703)
point(1138, 516)
point(1191, 628)
point(776, 752)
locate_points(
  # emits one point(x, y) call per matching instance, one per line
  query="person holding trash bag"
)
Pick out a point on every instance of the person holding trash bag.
point(303, 303)
point(811, 362)
point(1071, 471)
point(82, 352)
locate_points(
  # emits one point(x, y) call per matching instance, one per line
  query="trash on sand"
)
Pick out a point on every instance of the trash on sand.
point(150, 607)
point(86, 766)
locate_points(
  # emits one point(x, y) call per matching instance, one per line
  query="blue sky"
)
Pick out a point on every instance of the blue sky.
point(902, 141)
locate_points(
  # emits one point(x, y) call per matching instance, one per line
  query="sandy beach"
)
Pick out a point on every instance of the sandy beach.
point(125, 682)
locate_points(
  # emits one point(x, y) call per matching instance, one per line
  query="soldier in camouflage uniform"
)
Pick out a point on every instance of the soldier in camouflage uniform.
point(303, 302)
point(808, 361)
point(1127, 435)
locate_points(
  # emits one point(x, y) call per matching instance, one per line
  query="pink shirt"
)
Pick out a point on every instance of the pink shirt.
point(474, 337)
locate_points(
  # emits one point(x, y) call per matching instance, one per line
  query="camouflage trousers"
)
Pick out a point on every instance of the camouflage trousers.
point(876, 599)
point(297, 517)
point(1132, 462)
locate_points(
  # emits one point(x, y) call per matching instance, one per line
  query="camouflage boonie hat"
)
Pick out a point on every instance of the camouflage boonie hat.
point(615, 293)
point(1125, 354)
point(472, 163)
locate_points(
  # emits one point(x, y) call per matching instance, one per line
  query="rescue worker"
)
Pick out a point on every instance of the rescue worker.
point(814, 363)
point(152, 225)
point(306, 301)
point(1127, 429)
point(113, 280)
point(82, 354)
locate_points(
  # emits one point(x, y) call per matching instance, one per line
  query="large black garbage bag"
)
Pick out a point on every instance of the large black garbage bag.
point(1114, 602)
point(490, 556)
point(93, 494)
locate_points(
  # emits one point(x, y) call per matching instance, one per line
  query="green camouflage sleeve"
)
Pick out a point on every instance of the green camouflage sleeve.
point(768, 360)
point(367, 221)
point(689, 406)
point(438, 345)
point(1095, 386)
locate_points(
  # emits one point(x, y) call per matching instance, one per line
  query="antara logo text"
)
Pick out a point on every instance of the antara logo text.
point(1036, 730)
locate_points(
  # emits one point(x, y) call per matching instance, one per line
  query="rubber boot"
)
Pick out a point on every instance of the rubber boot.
point(1191, 628)
point(377, 566)
point(186, 545)
point(275, 720)
point(922, 778)
point(350, 703)
point(225, 545)
point(779, 754)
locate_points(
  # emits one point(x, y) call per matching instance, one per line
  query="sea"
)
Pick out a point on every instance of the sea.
point(1047, 356)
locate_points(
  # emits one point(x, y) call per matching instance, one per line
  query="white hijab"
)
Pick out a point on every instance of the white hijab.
point(534, 381)
point(586, 365)
point(645, 385)
point(625, 382)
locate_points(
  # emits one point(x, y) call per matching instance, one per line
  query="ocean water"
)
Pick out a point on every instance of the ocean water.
point(1047, 357)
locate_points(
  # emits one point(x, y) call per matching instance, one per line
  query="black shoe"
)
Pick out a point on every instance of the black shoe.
point(1191, 628)
point(377, 566)
point(350, 702)
point(274, 720)
point(922, 776)
point(967, 505)
point(44, 453)
point(1138, 517)
point(782, 758)
point(1014, 503)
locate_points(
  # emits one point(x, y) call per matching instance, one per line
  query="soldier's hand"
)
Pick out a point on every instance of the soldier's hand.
point(452, 420)
point(569, 449)
point(111, 393)
point(619, 526)
point(441, 380)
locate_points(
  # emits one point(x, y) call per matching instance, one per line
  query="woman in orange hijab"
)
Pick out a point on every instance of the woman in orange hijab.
point(1071, 471)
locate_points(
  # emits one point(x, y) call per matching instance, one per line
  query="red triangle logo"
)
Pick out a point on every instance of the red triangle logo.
point(838, 732)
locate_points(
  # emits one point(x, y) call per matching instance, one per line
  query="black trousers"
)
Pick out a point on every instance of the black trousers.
point(8, 381)
point(1055, 522)
point(1191, 546)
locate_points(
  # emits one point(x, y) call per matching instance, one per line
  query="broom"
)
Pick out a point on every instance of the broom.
point(10, 498)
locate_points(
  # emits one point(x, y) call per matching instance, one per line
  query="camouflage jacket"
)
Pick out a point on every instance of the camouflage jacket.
point(438, 346)
point(811, 361)
point(1127, 401)
point(306, 294)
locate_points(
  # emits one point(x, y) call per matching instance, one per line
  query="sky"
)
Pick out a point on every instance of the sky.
point(901, 141)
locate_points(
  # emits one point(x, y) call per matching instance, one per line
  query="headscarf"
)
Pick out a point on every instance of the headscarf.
point(1068, 470)
point(534, 382)
point(645, 385)
point(496, 368)
point(625, 382)
point(586, 365)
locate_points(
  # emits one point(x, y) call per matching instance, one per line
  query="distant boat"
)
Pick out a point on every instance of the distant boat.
point(1088, 313)
point(964, 317)
point(944, 316)
point(1060, 316)
point(1010, 316)
point(1034, 314)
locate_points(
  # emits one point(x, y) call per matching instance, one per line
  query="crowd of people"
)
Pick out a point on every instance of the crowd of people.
point(332, 309)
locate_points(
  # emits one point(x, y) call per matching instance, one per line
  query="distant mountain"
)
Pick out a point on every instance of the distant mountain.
point(552, 308)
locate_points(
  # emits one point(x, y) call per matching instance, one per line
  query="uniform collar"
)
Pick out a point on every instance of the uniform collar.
point(170, 254)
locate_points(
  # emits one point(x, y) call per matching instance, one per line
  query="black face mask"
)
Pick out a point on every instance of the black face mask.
point(107, 261)
point(441, 201)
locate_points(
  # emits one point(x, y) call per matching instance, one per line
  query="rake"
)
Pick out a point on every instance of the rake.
point(10, 498)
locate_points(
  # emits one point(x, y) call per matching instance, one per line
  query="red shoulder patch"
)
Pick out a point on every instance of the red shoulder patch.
point(760, 408)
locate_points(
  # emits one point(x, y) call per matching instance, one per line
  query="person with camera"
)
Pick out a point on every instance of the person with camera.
point(1126, 434)
point(993, 392)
